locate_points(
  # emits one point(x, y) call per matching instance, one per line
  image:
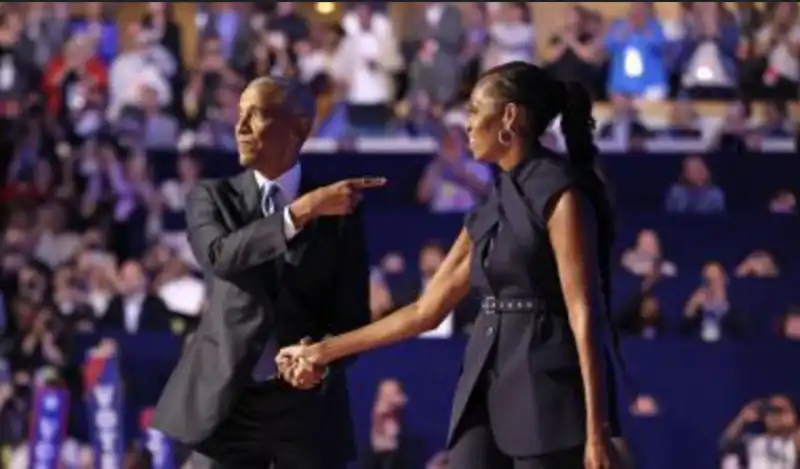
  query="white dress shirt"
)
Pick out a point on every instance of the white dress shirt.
point(289, 184)
point(132, 311)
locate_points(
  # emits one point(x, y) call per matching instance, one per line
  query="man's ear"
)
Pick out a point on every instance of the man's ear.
point(302, 128)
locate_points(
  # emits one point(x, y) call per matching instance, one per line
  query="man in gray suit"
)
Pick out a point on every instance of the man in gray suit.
point(286, 260)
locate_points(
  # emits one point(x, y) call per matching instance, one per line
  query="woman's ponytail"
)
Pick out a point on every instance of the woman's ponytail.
point(577, 125)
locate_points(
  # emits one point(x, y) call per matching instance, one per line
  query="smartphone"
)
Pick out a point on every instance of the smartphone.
point(766, 408)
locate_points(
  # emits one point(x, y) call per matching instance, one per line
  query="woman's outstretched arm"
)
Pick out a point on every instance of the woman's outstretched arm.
point(447, 288)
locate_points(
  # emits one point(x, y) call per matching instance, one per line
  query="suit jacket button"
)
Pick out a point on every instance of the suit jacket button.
point(489, 330)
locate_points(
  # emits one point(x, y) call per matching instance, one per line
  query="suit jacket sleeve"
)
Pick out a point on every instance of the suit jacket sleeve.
point(352, 289)
point(225, 252)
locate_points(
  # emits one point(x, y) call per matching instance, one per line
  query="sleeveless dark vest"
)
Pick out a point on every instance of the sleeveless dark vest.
point(528, 357)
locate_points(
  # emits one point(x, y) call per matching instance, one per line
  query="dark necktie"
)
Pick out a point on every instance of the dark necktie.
point(271, 199)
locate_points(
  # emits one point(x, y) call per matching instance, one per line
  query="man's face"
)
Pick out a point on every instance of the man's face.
point(131, 278)
point(779, 416)
point(268, 135)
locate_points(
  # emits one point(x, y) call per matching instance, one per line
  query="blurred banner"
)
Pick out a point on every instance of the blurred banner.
point(48, 426)
point(158, 446)
point(104, 407)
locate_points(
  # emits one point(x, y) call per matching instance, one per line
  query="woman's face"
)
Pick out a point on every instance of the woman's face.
point(484, 125)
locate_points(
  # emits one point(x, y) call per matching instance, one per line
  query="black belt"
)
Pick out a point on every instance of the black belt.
point(491, 305)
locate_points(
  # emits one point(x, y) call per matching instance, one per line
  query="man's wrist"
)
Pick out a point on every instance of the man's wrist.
point(301, 213)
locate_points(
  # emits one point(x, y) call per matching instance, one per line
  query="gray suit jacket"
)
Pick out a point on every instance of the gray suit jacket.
point(263, 288)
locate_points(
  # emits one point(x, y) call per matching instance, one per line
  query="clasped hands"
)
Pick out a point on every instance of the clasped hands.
point(299, 365)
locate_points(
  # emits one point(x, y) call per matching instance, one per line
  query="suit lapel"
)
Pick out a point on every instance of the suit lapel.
point(480, 225)
point(249, 196)
point(250, 205)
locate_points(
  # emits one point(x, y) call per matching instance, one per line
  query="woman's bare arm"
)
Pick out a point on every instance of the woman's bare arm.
point(573, 233)
point(447, 288)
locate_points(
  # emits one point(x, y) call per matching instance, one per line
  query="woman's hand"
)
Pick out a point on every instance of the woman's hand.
point(304, 350)
point(598, 453)
point(301, 365)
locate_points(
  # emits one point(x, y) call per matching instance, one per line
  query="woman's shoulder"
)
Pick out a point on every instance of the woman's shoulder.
point(548, 176)
point(549, 172)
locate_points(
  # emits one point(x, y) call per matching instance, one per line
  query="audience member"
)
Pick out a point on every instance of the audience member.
point(511, 33)
point(453, 182)
point(645, 257)
point(707, 63)
point(365, 64)
point(635, 48)
point(576, 50)
point(708, 313)
point(774, 447)
point(391, 446)
point(695, 192)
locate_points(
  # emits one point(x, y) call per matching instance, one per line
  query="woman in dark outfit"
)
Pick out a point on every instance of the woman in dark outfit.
point(532, 392)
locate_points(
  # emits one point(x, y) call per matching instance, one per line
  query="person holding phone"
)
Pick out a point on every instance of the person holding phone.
point(777, 446)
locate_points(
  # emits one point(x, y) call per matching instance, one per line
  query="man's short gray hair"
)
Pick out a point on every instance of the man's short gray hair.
point(297, 98)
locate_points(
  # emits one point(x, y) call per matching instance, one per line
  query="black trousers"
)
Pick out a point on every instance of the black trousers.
point(475, 446)
point(270, 426)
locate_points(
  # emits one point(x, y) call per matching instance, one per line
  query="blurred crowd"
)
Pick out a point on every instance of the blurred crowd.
point(92, 240)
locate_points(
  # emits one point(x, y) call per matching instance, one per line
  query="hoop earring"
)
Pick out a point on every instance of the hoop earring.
point(505, 136)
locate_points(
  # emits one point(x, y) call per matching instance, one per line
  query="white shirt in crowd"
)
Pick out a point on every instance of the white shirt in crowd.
point(368, 85)
point(765, 452)
point(781, 60)
point(509, 42)
point(132, 312)
point(132, 70)
point(706, 69)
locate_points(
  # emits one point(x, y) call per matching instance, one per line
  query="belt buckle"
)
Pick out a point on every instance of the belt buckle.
point(490, 305)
